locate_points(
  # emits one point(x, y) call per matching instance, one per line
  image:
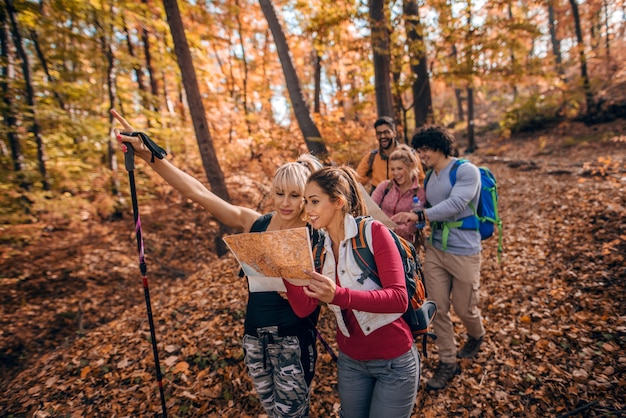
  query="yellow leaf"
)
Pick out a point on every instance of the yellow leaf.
point(181, 367)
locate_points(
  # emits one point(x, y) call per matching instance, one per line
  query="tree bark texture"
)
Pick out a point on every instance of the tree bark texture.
point(312, 135)
point(213, 171)
point(471, 140)
point(8, 110)
point(30, 94)
point(583, 58)
point(382, 67)
point(422, 98)
point(556, 42)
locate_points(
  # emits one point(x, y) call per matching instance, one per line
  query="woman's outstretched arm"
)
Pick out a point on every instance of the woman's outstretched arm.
point(233, 216)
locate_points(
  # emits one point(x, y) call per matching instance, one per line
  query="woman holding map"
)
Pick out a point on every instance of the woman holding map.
point(378, 367)
point(279, 346)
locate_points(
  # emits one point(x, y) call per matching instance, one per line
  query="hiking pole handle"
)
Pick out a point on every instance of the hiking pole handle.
point(129, 157)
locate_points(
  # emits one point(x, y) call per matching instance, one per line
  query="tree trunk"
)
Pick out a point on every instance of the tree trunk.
point(212, 168)
point(399, 110)
point(382, 67)
point(44, 66)
point(471, 141)
point(513, 59)
point(422, 98)
point(318, 80)
point(154, 86)
point(244, 63)
point(143, 91)
point(556, 42)
point(607, 35)
point(458, 93)
point(583, 59)
point(30, 94)
point(111, 80)
point(312, 135)
point(8, 110)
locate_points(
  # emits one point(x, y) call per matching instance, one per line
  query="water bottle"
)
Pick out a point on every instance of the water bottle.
point(417, 206)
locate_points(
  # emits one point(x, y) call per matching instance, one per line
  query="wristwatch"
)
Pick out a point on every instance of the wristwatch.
point(420, 216)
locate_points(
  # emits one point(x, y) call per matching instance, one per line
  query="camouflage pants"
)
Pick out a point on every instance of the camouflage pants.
point(281, 369)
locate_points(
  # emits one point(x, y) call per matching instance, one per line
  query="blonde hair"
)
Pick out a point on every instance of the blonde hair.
point(407, 156)
point(294, 175)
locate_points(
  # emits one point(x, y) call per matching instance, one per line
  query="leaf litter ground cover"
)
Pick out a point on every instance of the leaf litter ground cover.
point(74, 337)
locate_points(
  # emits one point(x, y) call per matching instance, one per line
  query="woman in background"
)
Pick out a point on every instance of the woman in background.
point(396, 194)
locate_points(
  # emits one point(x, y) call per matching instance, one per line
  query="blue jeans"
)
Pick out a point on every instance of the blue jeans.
point(378, 388)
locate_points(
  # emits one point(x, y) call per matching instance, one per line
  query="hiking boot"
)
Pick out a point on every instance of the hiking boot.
point(471, 348)
point(445, 372)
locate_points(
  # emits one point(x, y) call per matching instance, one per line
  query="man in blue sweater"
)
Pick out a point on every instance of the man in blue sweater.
point(452, 260)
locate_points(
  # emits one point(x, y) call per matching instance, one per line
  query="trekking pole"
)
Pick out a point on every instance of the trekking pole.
point(326, 346)
point(322, 340)
point(129, 161)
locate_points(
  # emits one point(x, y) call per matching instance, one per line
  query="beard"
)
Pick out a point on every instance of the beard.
point(389, 144)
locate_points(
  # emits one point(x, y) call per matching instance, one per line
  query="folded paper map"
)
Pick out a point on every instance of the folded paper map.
point(374, 211)
point(268, 257)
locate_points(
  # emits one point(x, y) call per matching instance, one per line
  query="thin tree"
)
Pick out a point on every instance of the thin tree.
point(317, 71)
point(582, 57)
point(154, 86)
point(469, 63)
point(556, 42)
point(141, 85)
point(311, 133)
point(214, 173)
point(44, 65)
point(8, 110)
point(244, 63)
point(422, 98)
point(111, 82)
point(514, 63)
point(382, 65)
point(30, 93)
point(607, 34)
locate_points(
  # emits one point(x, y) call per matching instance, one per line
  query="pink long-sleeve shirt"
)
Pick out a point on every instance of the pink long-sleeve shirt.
point(395, 201)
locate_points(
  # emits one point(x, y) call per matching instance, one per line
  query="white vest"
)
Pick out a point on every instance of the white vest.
point(348, 272)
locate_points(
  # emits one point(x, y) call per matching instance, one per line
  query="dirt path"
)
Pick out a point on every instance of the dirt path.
point(74, 337)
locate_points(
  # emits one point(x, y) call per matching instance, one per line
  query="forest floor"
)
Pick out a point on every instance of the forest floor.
point(75, 341)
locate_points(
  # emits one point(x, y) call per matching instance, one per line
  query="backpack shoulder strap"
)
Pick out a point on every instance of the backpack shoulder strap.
point(319, 256)
point(262, 222)
point(370, 162)
point(427, 177)
point(455, 167)
point(362, 252)
point(387, 188)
